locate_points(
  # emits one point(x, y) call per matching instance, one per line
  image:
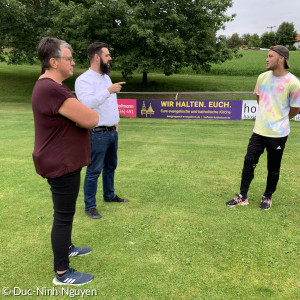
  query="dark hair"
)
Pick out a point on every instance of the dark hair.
point(51, 47)
point(95, 48)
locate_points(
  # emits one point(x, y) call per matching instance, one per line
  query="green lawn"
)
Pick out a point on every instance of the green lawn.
point(253, 63)
point(237, 75)
point(175, 239)
point(16, 83)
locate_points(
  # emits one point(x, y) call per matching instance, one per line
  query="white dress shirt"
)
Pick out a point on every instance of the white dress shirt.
point(91, 90)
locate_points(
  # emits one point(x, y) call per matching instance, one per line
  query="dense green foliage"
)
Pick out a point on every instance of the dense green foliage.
point(268, 39)
point(285, 35)
point(143, 35)
point(22, 24)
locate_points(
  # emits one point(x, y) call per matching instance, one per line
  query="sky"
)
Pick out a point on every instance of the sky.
point(255, 16)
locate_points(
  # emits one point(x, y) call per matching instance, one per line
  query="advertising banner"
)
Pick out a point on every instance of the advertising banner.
point(249, 110)
point(127, 107)
point(190, 109)
point(297, 118)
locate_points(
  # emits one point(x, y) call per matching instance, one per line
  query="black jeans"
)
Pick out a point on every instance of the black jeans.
point(64, 195)
point(256, 146)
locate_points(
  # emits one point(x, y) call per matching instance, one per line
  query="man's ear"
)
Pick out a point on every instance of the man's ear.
point(97, 57)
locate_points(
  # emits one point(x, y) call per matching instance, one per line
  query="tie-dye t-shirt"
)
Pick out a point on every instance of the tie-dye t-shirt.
point(276, 96)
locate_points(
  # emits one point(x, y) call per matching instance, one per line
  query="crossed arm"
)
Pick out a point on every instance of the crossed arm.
point(79, 113)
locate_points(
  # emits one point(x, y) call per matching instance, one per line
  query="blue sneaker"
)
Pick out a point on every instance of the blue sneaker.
point(72, 277)
point(79, 251)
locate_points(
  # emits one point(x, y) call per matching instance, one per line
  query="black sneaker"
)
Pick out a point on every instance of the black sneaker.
point(238, 200)
point(93, 213)
point(72, 277)
point(118, 199)
point(79, 251)
point(266, 203)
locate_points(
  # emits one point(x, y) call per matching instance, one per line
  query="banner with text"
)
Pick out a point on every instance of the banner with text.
point(250, 107)
point(127, 107)
point(189, 109)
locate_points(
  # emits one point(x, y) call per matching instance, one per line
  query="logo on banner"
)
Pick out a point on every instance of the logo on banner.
point(249, 109)
point(145, 111)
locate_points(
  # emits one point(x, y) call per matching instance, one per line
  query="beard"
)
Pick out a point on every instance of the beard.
point(105, 68)
point(273, 66)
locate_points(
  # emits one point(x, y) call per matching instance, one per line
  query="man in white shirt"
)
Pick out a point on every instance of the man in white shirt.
point(94, 88)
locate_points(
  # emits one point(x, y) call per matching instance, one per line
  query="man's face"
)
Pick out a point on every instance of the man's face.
point(273, 60)
point(105, 59)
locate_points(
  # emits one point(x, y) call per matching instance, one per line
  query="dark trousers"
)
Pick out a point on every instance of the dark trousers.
point(64, 195)
point(256, 146)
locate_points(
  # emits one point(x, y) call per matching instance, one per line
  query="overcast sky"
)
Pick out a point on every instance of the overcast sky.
point(255, 16)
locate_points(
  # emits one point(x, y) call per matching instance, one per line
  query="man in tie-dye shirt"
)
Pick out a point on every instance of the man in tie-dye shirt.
point(278, 98)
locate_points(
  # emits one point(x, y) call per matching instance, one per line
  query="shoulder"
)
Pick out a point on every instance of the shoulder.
point(293, 78)
point(49, 87)
point(84, 75)
point(293, 84)
point(46, 83)
point(264, 75)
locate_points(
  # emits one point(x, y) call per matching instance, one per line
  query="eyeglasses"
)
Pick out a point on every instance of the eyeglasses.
point(67, 58)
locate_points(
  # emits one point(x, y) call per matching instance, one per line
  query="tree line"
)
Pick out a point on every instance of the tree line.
point(285, 35)
point(143, 35)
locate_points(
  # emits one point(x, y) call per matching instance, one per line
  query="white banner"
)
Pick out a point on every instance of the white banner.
point(249, 110)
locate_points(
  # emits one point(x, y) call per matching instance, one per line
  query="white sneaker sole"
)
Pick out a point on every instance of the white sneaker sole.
point(57, 282)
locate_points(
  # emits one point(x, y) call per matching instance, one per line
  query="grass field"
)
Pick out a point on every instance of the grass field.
point(253, 63)
point(237, 75)
point(175, 239)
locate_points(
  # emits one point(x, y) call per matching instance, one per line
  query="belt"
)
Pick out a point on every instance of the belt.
point(104, 128)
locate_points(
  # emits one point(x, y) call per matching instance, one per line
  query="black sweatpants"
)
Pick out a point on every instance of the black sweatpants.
point(256, 146)
point(64, 195)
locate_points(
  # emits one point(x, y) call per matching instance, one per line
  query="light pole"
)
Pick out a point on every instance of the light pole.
point(271, 27)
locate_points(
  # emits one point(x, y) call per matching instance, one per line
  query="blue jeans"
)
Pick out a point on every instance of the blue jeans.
point(104, 146)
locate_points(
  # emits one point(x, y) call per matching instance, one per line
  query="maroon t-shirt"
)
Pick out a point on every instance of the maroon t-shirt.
point(60, 146)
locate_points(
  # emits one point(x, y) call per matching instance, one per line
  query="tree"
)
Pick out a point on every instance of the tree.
point(268, 39)
point(234, 41)
point(143, 35)
point(286, 35)
point(22, 24)
point(254, 40)
point(246, 38)
point(149, 34)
